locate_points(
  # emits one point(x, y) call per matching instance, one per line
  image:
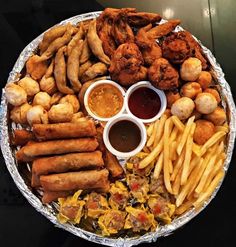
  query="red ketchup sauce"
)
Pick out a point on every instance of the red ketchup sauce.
point(144, 103)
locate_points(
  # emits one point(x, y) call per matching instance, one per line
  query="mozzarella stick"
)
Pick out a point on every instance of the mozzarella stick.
point(83, 180)
point(33, 150)
point(67, 162)
point(64, 130)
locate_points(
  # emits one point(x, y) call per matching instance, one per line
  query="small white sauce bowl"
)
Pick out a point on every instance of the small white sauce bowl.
point(160, 93)
point(137, 122)
point(94, 85)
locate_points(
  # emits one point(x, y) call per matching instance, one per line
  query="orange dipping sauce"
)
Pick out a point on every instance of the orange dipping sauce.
point(105, 100)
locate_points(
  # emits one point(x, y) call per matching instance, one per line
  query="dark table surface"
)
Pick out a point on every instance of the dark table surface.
point(212, 21)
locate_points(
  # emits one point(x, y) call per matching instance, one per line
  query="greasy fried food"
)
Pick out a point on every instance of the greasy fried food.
point(141, 19)
point(214, 92)
point(205, 79)
point(33, 150)
point(95, 43)
point(30, 86)
point(86, 52)
point(35, 67)
point(203, 132)
point(171, 97)
point(162, 75)
point(21, 137)
point(84, 67)
point(183, 108)
point(61, 113)
point(50, 36)
point(57, 44)
point(126, 65)
point(163, 29)
point(95, 70)
point(49, 196)
point(15, 94)
point(75, 40)
point(205, 103)
point(43, 99)
point(37, 114)
point(190, 69)
point(67, 162)
point(217, 117)
point(148, 46)
point(48, 85)
point(72, 99)
point(19, 113)
point(73, 65)
point(56, 98)
point(64, 130)
point(190, 90)
point(60, 72)
point(75, 180)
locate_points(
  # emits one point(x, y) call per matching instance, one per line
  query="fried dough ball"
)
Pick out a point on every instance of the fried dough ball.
point(19, 113)
point(203, 132)
point(205, 103)
point(36, 115)
point(171, 97)
point(36, 67)
point(204, 79)
point(72, 99)
point(15, 94)
point(30, 86)
point(217, 117)
point(162, 75)
point(43, 99)
point(61, 113)
point(214, 92)
point(48, 85)
point(77, 117)
point(191, 90)
point(191, 69)
point(183, 108)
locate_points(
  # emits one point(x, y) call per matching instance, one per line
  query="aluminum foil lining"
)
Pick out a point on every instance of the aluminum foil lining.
point(49, 211)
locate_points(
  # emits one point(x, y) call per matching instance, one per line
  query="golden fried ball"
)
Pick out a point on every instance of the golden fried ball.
point(205, 103)
point(19, 113)
point(191, 69)
point(214, 92)
point(72, 99)
point(204, 79)
point(48, 85)
point(171, 97)
point(43, 99)
point(217, 117)
point(37, 114)
point(77, 117)
point(15, 94)
point(203, 132)
point(191, 90)
point(61, 113)
point(183, 108)
point(30, 86)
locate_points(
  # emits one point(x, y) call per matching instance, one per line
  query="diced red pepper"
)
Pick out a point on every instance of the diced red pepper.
point(157, 209)
point(142, 217)
point(118, 197)
point(93, 205)
point(134, 186)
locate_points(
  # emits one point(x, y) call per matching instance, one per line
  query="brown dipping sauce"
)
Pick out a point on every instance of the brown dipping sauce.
point(144, 103)
point(124, 136)
point(105, 100)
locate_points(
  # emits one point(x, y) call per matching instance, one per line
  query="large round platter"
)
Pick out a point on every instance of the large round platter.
point(49, 211)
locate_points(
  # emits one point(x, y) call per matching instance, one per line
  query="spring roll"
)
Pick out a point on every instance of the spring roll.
point(67, 162)
point(64, 130)
point(33, 150)
point(83, 180)
point(49, 196)
point(21, 137)
point(35, 181)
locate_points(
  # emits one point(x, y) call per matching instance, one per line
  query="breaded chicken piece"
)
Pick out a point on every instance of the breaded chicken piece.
point(141, 19)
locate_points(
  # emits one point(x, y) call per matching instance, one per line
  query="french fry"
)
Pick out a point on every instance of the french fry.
point(215, 138)
point(184, 207)
point(158, 166)
point(178, 123)
point(222, 128)
point(177, 181)
point(151, 156)
point(173, 146)
point(188, 154)
point(196, 149)
point(174, 134)
point(206, 194)
point(150, 129)
point(146, 150)
point(178, 165)
point(153, 135)
point(166, 150)
point(160, 129)
point(185, 135)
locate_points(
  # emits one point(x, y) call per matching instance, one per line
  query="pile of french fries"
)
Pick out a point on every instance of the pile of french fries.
point(191, 172)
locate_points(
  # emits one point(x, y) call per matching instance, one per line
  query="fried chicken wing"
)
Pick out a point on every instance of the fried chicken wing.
point(36, 67)
point(163, 29)
point(162, 75)
point(148, 46)
point(141, 19)
point(127, 65)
